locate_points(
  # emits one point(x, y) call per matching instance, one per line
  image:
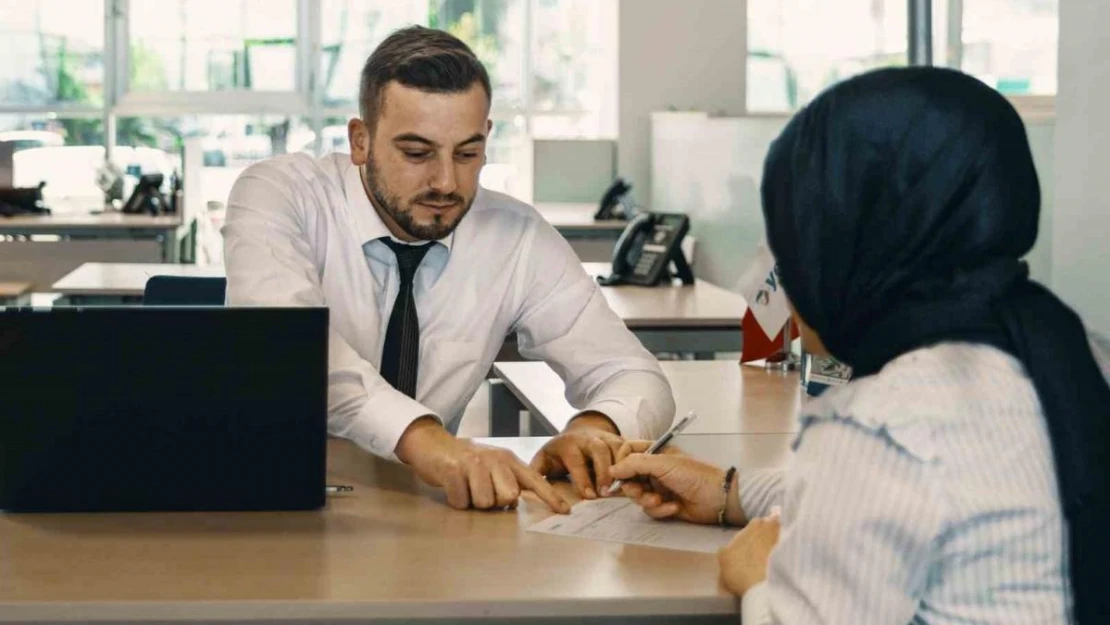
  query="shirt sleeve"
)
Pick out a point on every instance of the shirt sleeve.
point(269, 262)
point(565, 321)
point(860, 513)
point(760, 490)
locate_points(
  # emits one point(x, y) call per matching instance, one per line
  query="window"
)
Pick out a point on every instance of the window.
point(1009, 44)
point(54, 53)
point(350, 30)
point(227, 145)
point(495, 31)
point(247, 79)
point(57, 150)
point(796, 48)
point(573, 74)
point(212, 45)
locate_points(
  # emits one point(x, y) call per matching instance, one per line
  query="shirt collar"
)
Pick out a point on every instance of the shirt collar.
point(368, 224)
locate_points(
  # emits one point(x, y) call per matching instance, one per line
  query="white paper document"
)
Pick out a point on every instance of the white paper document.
point(621, 521)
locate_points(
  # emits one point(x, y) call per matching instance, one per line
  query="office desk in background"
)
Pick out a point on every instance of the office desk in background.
point(592, 240)
point(702, 318)
point(105, 237)
point(728, 397)
point(120, 283)
point(15, 293)
point(391, 550)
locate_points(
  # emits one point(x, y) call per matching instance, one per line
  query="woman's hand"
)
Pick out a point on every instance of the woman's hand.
point(670, 485)
point(744, 560)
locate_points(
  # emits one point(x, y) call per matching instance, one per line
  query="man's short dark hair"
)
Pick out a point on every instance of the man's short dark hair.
point(423, 58)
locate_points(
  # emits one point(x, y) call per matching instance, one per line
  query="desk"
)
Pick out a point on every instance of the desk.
point(86, 237)
point(729, 398)
point(15, 293)
point(120, 283)
point(387, 552)
point(592, 240)
point(702, 318)
point(576, 221)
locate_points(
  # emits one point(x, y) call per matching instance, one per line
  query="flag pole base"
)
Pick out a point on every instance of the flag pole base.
point(781, 362)
point(785, 360)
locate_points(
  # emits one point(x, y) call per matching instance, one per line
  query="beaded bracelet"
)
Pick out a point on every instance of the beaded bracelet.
point(725, 487)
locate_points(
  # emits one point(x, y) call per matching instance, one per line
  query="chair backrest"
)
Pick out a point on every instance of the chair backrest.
point(184, 291)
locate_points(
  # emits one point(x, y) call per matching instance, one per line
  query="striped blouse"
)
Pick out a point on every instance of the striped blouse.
point(923, 494)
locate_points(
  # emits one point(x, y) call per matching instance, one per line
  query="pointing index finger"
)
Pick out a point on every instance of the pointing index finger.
point(533, 481)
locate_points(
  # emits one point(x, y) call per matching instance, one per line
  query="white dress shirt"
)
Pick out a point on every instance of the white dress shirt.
point(923, 494)
point(301, 231)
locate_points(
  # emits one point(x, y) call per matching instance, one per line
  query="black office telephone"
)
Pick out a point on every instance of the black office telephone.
point(612, 202)
point(147, 196)
point(22, 201)
point(646, 249)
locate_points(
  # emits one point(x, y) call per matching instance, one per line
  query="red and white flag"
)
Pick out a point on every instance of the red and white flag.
point(768, 311)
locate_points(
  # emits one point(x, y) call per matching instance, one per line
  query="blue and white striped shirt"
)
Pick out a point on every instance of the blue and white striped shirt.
point(923, 494)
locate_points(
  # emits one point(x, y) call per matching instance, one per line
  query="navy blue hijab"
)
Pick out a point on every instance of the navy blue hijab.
point(898, 206)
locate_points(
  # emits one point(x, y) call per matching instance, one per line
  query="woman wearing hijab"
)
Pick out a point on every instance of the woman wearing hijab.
point(961, 477)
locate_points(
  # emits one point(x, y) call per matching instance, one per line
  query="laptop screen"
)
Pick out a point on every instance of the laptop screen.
point(149, 408)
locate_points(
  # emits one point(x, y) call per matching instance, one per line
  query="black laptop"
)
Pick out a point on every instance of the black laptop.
point(148, 408)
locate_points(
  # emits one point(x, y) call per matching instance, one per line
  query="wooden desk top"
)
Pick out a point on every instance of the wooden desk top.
point(699, 305)
point(124, 279)
point(389, 550)
point(702, 304)
point(10, 290)
point(85, 221)
point(728, 398)
point(577, 216)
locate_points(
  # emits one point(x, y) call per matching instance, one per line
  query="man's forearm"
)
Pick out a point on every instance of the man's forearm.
point(419, 435)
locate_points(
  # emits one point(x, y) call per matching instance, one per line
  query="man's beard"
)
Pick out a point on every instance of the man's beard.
point(392, 205)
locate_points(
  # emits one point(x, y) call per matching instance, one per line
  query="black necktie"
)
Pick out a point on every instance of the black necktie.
point(401, 351)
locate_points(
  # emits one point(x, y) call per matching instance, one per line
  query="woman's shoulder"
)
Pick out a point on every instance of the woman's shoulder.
point(926, 389)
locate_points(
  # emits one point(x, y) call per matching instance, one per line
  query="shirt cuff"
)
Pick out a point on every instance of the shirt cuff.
point(760, 490)
point(383, 420)
point(624, 413)
point(754, 607)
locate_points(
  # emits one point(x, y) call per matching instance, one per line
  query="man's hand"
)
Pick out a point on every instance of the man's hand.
point(744, 560)
point(472, 475)
point(590, 442)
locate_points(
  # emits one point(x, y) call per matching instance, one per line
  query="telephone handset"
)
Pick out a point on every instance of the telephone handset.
point(612, 202)
point(147, 196)
point(647, 247)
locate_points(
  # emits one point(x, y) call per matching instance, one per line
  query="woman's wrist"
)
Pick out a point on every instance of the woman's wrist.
point(734, 513)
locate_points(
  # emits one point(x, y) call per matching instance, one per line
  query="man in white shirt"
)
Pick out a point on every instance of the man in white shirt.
point(422, 299)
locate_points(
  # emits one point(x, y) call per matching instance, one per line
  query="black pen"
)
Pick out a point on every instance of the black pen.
point(660, 444)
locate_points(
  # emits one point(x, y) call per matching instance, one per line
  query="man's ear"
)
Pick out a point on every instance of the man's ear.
point(358, 134)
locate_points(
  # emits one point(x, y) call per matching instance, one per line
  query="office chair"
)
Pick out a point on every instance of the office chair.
point(184, 291)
